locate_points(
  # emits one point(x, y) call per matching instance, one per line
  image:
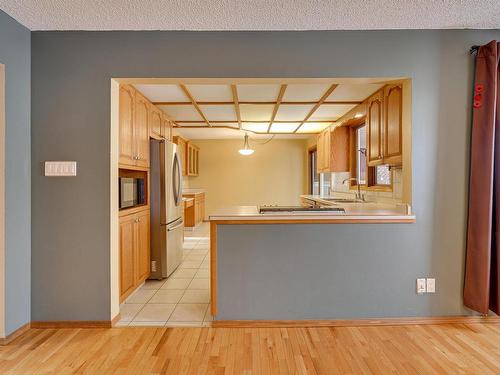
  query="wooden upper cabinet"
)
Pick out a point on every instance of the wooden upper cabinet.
point(393, 129)
point(193, 159)
point(127, 255)
point(166, 128)
point(374, 122)
point(333, 150)
point(181, 143)
point(143, 252)
point(141, 130)
point(339, 149)
point(126, 125)
point(155, 122)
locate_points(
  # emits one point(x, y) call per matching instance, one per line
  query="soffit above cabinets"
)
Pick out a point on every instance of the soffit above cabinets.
point(280, 106)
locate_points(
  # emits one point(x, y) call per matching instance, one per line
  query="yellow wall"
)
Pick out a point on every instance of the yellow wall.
point(274, 174)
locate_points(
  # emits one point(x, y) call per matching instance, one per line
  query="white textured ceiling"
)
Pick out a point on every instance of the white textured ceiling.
point(253, 14)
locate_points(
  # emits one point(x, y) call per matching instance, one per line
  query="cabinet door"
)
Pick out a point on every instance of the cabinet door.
point(393, 139)
point(143, 250)
point(126, 125)
point(166, 128)
point(141, 130)
point(319, 153)
point(127, 255)
point(374, 118)
point(155, 122)
point(339, 149)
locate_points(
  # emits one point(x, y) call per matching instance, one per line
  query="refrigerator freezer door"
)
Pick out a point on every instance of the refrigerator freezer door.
point(175, 234)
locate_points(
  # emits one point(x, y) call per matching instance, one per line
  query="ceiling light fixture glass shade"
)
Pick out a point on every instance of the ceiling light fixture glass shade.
point(246, 150)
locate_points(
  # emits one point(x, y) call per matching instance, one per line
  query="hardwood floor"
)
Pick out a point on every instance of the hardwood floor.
point(425, 349)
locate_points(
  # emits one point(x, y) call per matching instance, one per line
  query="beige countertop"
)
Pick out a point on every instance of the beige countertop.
point(193, 191)
point(358, 212)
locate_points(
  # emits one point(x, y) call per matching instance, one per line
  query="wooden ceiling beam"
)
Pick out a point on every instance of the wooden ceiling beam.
point(194, 103)
point(233, 128)
point(317, 105)
point(236, 103)
point(340, 102)
point(250, 121)
point(277, 106)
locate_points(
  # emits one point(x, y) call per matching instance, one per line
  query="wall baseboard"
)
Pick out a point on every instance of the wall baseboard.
point(14, 335)
point(115, 319)
point(354, 322)
point(73, 324)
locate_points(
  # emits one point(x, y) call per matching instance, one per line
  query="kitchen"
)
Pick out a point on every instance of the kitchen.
point(323, 151)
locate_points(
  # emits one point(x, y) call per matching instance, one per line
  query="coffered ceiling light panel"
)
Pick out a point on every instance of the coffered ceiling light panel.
point(256, 112)
point(331, 112)
point(181, 112)
point(258, 93)
point(293, 112)
point(225, 112)
point(258, 127)
point(163, 93)
point(284, 127)
point(305, 92)
point(353, 92)
point(313, 127)
point(211, 93)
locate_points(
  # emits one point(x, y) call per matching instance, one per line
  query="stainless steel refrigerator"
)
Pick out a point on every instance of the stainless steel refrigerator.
point(167, 222)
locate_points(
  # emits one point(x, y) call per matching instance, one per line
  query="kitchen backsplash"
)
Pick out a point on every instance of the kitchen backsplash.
point(395, 195)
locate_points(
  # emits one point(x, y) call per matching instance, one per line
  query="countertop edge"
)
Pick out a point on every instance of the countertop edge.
point(273, 219)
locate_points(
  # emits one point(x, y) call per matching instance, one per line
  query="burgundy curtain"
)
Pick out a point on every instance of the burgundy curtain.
point(482, 268)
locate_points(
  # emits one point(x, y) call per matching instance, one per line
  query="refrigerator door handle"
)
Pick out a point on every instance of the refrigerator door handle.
point(181, 224)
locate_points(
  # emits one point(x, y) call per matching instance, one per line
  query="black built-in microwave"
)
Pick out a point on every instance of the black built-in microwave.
point(132, 192)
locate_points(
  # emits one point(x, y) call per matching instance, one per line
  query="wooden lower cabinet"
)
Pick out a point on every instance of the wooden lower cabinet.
point(194, 214)
point(134, 251)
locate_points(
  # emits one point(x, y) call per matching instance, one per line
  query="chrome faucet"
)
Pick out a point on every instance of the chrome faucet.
point(358, 194)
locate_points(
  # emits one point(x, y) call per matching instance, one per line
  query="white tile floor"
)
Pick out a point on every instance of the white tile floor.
point(181, 300)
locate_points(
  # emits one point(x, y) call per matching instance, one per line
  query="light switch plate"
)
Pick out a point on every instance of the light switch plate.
point(431, 285)
point(60, 168)
point(421, 286)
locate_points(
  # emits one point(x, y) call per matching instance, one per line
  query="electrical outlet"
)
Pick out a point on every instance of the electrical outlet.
point(431, 285)
point(421, 286)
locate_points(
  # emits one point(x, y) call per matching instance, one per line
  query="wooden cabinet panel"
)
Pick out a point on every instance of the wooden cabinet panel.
point(339, 150)
point(126, 125)
point(193, 153)
point(143, 251)
point(374, 119)
point(155, 122)
point(141, 130)
point(195, 214)
point(127, 255)
point(182, 151)
point(166, 128)
point(393, 129)
point(134, 251)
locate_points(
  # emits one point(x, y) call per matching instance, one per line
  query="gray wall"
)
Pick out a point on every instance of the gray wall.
point(71, 113)
point(15, 46)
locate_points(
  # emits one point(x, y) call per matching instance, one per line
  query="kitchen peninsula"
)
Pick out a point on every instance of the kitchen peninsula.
point(293, 265)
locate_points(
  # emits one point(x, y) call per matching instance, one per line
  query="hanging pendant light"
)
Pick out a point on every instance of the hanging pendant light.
point(246, 150)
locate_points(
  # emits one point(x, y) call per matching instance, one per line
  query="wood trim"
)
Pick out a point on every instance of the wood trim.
point(72, 324)
point(355, 322)
point(14, 335)
point(250, 121)
point(194, 103)
point(340, 102)
point(116, 319)
point(277, 106)
point(378, 220)
point(317, 105)
point(213, 268)
point(236, 103)
point(133, 210)
point(133, 167)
